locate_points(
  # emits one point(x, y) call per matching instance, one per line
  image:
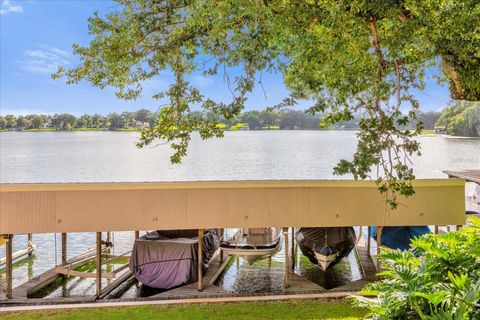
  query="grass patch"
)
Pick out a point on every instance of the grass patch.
point(89, 129)
point(127, 129)
point(428, 131)
point(40, 130)
point(238, 126)
point(305, 309)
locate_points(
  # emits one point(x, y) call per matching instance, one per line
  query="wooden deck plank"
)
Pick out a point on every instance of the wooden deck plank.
point(35, 284)
point(366, 262)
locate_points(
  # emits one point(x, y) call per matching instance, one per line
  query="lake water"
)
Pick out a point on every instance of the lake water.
point(245, 155)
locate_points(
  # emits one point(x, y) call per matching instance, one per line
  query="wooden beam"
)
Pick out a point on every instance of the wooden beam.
point(115, 284)
point(287, 268)
point(220, 270)
point(18, 254)
point(30, 243)
point(9, 267)
point(99, 265)
point(64, 248)
point(94, 275)
point(379, 245)
point(369, 235)
point(293, 249)
point(200, 260)
point(221, 235)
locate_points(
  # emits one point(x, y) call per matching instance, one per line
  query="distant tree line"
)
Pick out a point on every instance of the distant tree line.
point(126, 120)
point(461, 118)
point(144, 118)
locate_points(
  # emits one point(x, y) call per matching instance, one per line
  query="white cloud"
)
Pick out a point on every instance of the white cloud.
point(45, 60)
point(7, 7)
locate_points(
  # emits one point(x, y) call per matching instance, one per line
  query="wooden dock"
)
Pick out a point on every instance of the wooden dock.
point(297, 285)
point(26, 289)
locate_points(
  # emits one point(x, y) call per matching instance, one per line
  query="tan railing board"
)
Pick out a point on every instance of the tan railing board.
point(91, 207)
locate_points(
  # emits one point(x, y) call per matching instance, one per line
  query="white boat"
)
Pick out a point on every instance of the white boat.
point(253, 243)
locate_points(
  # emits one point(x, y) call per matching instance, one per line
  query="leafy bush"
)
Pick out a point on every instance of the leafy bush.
point(438, 279)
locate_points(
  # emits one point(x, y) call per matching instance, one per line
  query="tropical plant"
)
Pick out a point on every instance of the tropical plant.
point(438, 279)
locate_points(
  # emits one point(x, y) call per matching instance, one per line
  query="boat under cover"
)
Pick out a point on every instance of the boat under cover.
point(168, 259)
point(326, 246)
point(399, 237)
point(253, 243)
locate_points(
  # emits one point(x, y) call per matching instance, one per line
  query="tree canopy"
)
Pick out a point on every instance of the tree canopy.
point(346, 57)
point(461, 119)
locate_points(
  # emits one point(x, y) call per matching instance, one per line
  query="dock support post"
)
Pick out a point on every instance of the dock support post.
point(369, 235)
point(200, 259)
point(287, 259)
point(64, 248)
point(30, 243)
point(293, 249)
point(137, 234)
point(99, 265)
point(221, 233)
point(8, 266)
point(379, 244)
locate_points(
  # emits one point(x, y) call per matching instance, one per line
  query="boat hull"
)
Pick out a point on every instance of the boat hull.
point(325, 247)
point(253, 246)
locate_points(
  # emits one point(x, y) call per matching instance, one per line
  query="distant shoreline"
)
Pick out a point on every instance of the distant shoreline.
point(428, 133)
point(73, 130)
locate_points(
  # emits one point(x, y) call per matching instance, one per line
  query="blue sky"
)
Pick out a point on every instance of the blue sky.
point(37, 36)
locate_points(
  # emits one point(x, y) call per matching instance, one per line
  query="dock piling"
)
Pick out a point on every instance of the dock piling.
point(293, 249)
point(137, 234)
point(30, 243)
point(287, 260)
point(369, 235)
point(64, 248)
point(8, 266)
point(379, 245)
point(221, 233)
point(200, 259)
point(99, 265)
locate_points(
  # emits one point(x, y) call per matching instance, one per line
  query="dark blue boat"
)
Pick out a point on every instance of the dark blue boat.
point(399, 237)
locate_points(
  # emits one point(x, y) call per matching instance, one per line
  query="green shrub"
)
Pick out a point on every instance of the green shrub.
point(438, 279)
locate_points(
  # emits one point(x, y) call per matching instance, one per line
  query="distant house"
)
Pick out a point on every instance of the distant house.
point(141, 125)
point(440, 130)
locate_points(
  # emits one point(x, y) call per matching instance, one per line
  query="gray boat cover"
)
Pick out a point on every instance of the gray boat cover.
point(325, 241)
point(167, 259)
